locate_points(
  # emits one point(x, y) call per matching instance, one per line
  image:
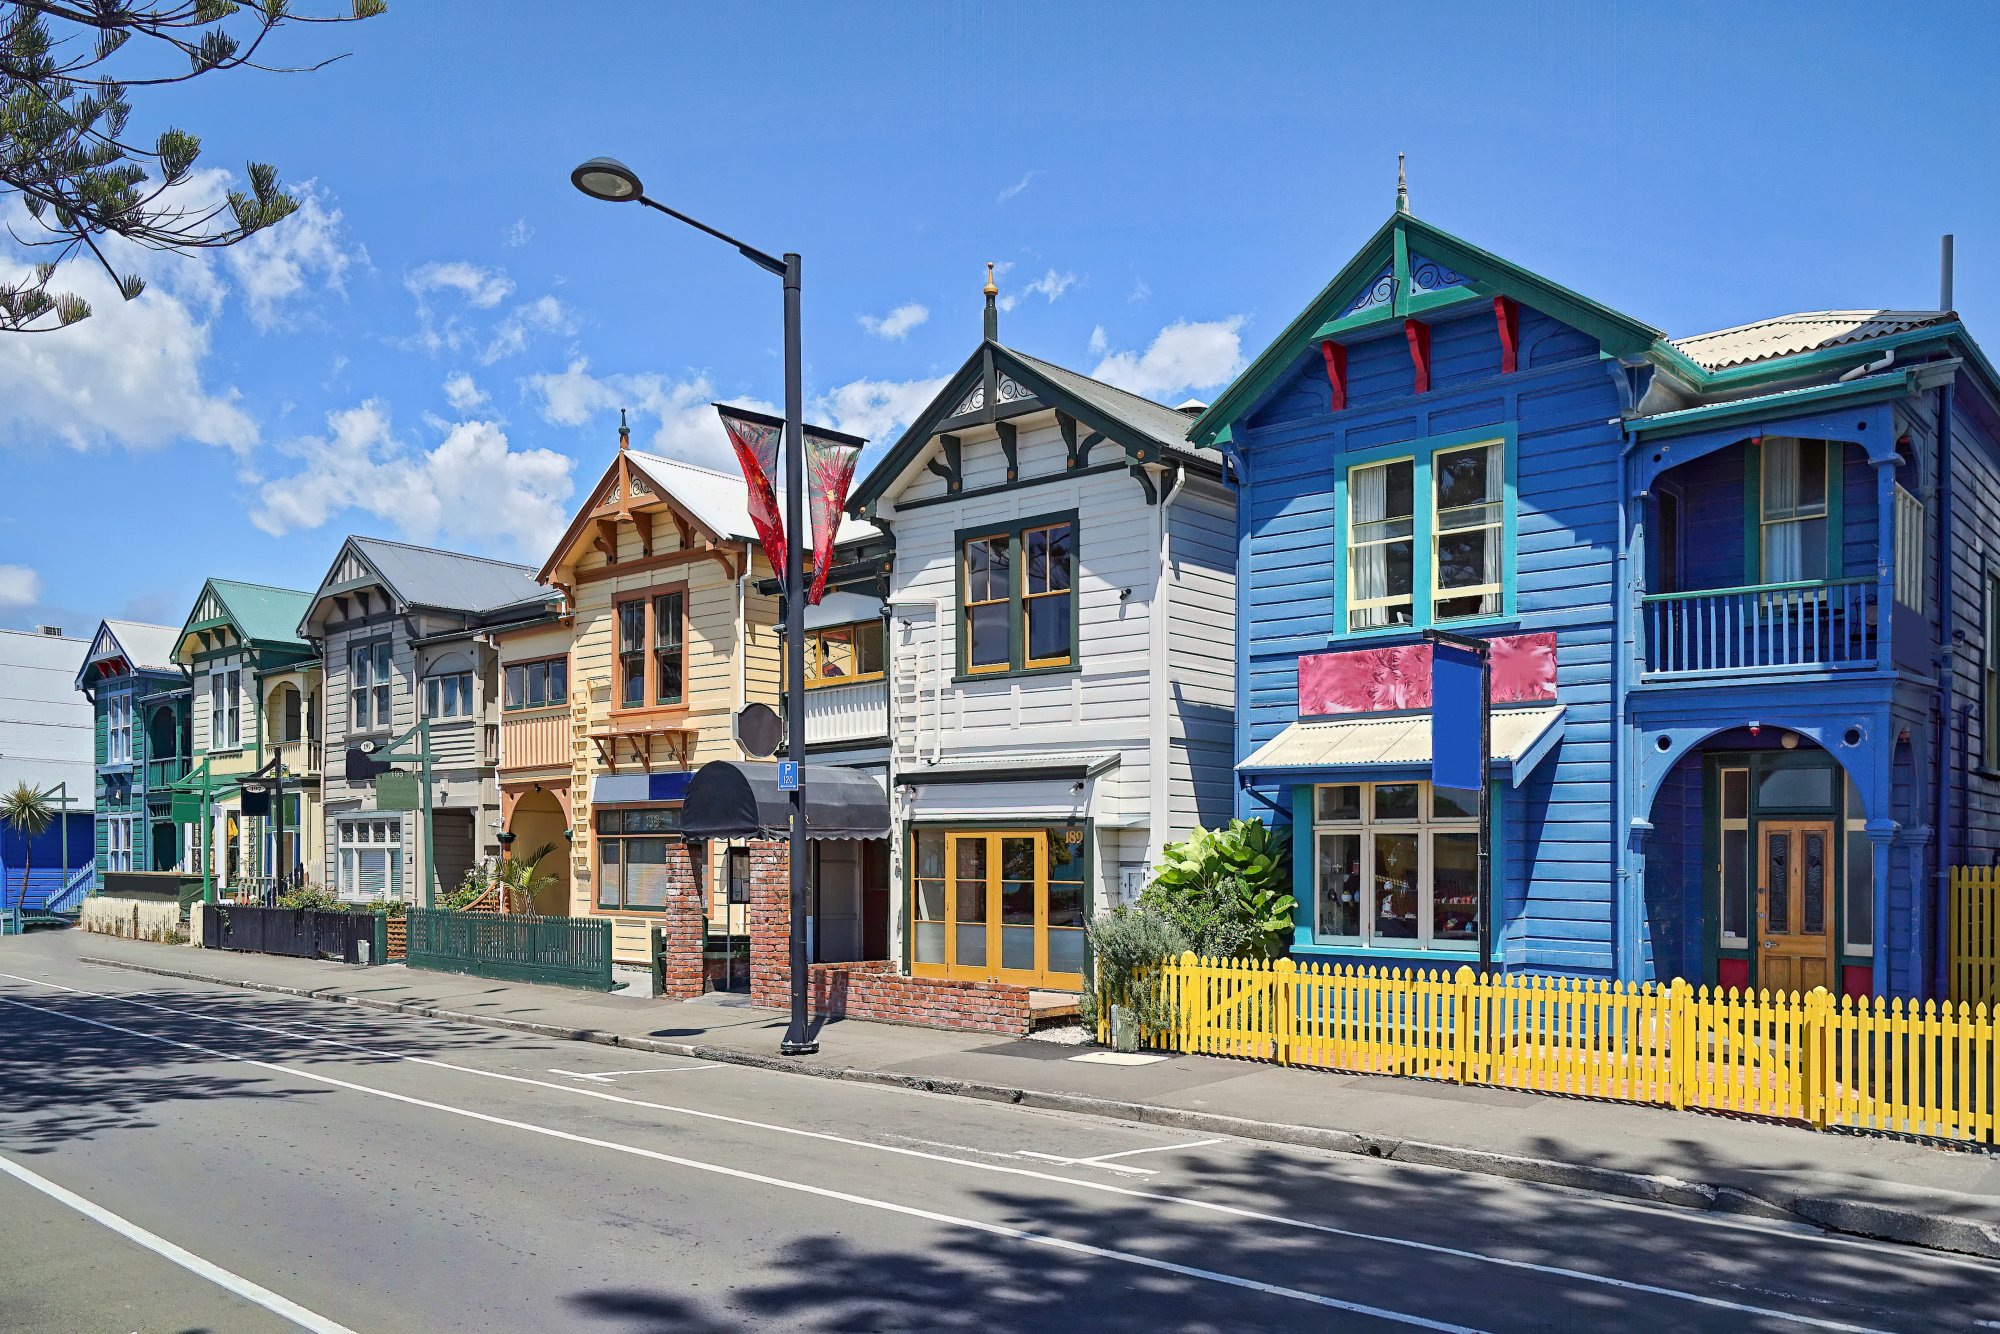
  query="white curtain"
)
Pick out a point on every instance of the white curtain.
point(1368, 502)
point(1784, 545)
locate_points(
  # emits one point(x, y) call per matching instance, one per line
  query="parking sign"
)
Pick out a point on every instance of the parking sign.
point(788, 775)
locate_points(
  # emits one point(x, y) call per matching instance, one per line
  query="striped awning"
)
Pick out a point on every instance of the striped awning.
point(1358, 747)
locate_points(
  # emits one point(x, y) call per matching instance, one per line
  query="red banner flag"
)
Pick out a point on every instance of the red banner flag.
point(755, 438)
point(830, 460)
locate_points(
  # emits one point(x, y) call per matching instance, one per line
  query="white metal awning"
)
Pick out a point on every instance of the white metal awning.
point(1357, 747)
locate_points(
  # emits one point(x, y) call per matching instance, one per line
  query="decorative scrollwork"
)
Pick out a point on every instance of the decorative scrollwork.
point(1380, 291)
point(1427, 275)
point(972, 402)
point(1012, 392)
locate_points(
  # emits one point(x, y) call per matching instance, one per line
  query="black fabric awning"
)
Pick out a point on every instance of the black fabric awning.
point(735, 799)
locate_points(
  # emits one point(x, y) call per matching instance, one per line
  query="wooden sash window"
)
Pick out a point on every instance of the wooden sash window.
point(841, 655)
point(1017, 589)
point(533, 685)
point(652, 651)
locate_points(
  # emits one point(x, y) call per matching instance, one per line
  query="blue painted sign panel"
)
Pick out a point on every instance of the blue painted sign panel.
point(788, 775)
point(1457, 700)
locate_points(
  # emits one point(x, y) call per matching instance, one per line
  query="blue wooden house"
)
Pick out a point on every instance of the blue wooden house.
point(1743, 596)
point(140, 696)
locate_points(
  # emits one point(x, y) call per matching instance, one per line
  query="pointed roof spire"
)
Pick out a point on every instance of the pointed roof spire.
point(624, 431)
point(1402, 187)
point(992, 310)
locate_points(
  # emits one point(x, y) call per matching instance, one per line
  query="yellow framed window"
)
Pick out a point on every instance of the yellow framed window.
point(1381, 544)
point(988, 601)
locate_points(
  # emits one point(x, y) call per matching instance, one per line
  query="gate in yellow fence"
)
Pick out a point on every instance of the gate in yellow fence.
point(1867, 1063)
point(1975, 935)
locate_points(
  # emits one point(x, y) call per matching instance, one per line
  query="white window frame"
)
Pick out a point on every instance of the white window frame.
point(356, 837)
point(118, 730)
point(1768, 518)
point(225, 709)
point(448, 695)
point(118, 832)
point(1909, 550)
point(371, 671)
point(1398, 530)
point(1424, 826)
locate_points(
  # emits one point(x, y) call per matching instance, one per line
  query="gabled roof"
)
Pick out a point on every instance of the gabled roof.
point(143, 647)
point(1407, 267)
point(261, 614)
point(1143, 427)
point(448, 580)
point(1810, 331)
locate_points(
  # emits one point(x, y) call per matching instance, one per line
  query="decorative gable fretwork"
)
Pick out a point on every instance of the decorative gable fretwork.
point(973, 401)
point(210, 608)
point(1008, 391)
point(1428, 275)
point(350, 569)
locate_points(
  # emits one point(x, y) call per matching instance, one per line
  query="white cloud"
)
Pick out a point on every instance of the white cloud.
point(684, 421)
point(19, 586)
point(1050, 285)
point(1140, 291)
point(1099, 343)
point(1015, 188)
point(482, 288)
point(1183, 356)
point(281, 262)
point(519, 234)
point(875, 409)
point(545, 314)
point(463, 393)
point(131, 374)
point(472, 488)
point(898, 322)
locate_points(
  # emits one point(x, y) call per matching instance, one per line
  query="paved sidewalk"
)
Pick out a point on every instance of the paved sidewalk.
point(1870, 1185)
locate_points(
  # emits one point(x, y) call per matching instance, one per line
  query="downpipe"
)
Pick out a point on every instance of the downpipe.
point(1940, 981)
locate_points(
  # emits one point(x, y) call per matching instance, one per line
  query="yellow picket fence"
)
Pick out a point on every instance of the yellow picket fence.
point(1864, 1063)
point(1975, 935)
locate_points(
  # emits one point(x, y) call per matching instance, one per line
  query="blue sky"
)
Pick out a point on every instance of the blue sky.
point(436, 347)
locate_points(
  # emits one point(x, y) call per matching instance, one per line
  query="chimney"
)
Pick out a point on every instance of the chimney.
point(1944, 272)
point(52, 631)
point(1194, 407)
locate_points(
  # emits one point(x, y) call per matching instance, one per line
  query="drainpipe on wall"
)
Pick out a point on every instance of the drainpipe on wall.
point(1161, 741)
point(1947, 668)
point(742, 639)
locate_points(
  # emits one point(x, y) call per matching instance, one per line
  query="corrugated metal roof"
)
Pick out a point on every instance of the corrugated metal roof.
point(1167, 426)
point(1380, 743)
point(721, 500)
point(147, 647)
point(1809, 331)
point(1090, 761)
point(262, 612)
point(450, 580)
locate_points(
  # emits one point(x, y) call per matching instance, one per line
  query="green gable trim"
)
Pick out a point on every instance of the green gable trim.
point(1485, 273)
point(1854, 393)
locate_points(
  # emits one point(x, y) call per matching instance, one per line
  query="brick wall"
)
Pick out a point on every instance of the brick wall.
point(683, 928)
point(872, 990)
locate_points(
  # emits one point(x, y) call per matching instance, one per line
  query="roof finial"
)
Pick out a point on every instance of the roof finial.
point(1402, 187)
point(992, 310)
point(624, 431)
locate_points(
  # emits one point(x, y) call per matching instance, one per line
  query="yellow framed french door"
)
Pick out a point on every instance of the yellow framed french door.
point(1003, 905)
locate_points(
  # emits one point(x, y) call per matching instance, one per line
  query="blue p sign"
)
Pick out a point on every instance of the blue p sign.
point(788, 775)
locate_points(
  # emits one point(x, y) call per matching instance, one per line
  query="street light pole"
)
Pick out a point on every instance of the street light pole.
point(610, 180)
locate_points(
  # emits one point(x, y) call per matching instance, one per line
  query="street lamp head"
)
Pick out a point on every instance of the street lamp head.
point(607, 178)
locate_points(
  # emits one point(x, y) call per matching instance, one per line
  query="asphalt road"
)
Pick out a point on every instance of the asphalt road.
point(180, 1157)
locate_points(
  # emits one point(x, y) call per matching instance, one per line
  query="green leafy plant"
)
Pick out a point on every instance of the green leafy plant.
point(1129, 944)
point(1227, 890)
point(28, 812)
point(518, 880)
point(316, 897)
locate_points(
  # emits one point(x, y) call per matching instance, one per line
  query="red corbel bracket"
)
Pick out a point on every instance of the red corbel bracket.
point(1507, 314)
point(1419, 335)
point(1336, 372)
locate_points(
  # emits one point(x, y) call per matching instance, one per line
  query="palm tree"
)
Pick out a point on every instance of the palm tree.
point(28, 813)
point(518, 882)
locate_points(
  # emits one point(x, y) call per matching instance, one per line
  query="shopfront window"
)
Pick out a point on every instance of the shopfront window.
point(634, 856)
point(1396, 865)
point(1006, 904)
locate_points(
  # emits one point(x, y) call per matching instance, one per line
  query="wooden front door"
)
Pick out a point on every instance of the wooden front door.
point(1795, 906)
point(1005, 921)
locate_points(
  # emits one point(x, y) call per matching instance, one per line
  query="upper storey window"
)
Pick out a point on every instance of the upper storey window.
point(1427, 535)
point(1017, 591)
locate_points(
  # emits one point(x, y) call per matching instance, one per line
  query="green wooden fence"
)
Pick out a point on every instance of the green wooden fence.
point(562, 951)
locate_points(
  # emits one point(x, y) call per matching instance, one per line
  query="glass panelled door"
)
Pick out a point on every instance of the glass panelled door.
point(1794, 907)
point(1002, 905)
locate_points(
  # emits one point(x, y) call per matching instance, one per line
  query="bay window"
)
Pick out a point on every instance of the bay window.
point(1017, 590)
point(843, 654)
point(368, 859)
point(368, 677)
point(632, 856)
point(1410, 564)
point(1396, 866)
point(225, 709)
point(448, 695)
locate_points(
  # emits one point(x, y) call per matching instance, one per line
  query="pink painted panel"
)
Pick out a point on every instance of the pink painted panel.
point(1386, 680)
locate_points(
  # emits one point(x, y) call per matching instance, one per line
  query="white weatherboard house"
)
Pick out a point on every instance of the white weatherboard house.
point(1062, 608)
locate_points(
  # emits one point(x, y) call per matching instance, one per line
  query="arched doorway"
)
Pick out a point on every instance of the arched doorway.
point(1759, 869)
point(538, 822)
point(163, 739)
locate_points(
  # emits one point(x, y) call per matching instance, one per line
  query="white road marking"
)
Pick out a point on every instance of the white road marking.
point(1119, 1168)
point(1101, 1187)
point(779, 1183)
point(186, 1259)
point(1156, 1148)
point(606, 1076)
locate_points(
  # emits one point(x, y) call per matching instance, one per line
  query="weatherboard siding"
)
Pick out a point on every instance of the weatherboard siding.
point(1559, 850)
point(1199, 692)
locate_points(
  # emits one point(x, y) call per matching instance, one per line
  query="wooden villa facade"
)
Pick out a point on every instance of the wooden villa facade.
point(141, 699)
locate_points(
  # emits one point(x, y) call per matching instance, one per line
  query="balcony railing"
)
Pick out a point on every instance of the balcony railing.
point(858, 712)
point(1762, 628)
point(538, 739)
point(300, 757)
point(159, 773)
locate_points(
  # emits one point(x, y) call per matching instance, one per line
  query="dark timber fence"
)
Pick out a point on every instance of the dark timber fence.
point(515, 947)
point(300, 933)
